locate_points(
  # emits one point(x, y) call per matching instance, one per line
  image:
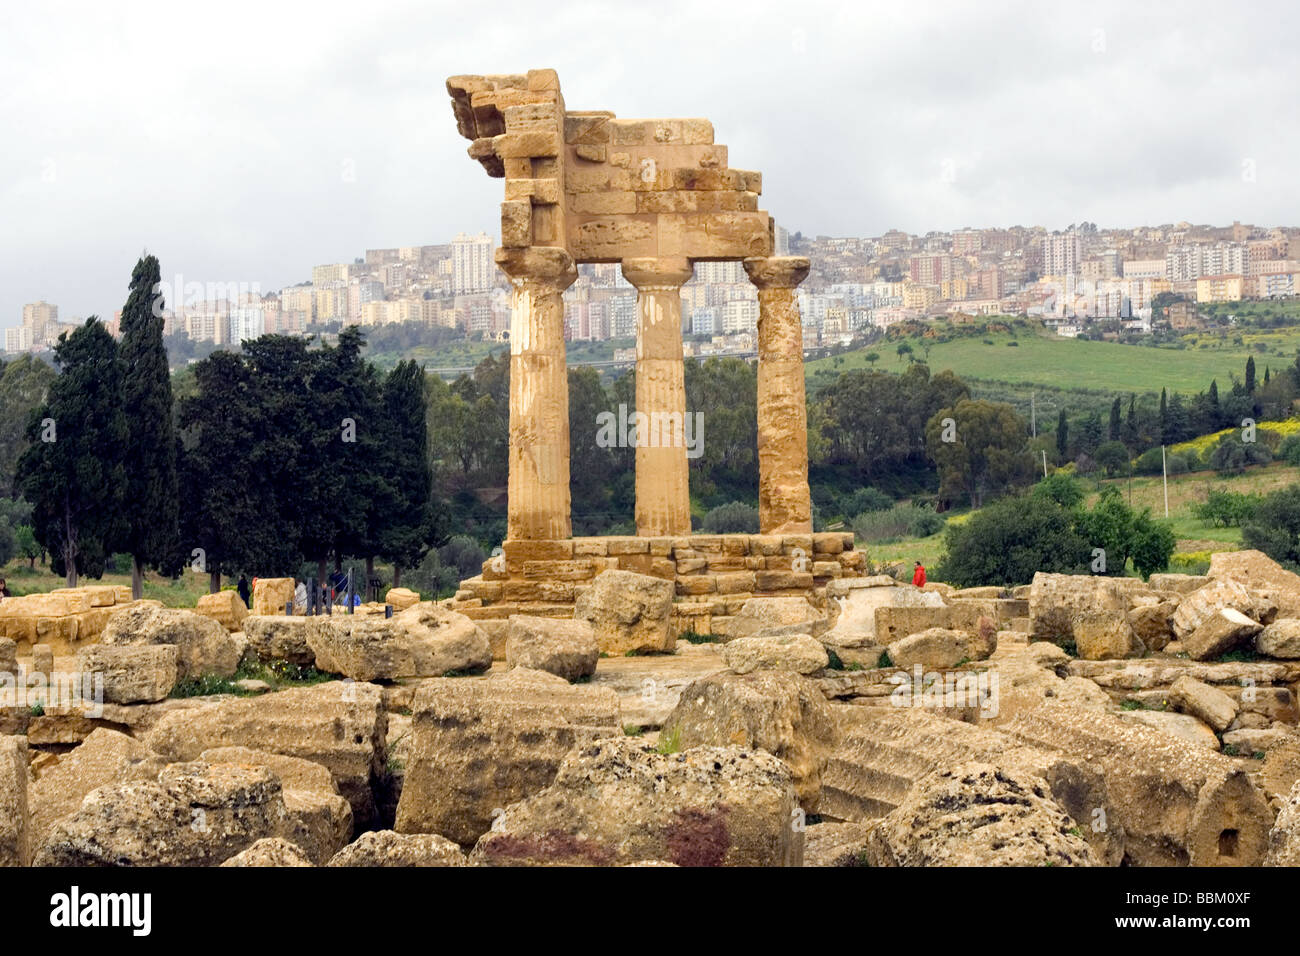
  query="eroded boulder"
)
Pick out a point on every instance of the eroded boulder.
point(132, 674)
point(480, 745)
point(340, 725)
point(979, 815)
point(566, 648)
point(203, 647)
point(425, 640)
point(196, 814)
point(780, 712)
point(629, 612)
point(797, 653)
point(388, 848)
point(620, 800)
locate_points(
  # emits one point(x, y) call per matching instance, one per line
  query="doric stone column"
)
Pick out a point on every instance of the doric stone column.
point(663, 499)
point(538, 503)
point(784, 503)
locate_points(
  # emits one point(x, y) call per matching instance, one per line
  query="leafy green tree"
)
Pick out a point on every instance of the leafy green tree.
point(1061, 488)
point(24, 384)
point(1112, 458)
point(1275, 527)
point(1152, 544)
point(72, 472)
point(1006, 543)
point(27, 545)
point(150, 454)
point(981, 452)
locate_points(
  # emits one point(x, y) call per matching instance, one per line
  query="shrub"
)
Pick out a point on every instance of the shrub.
point(735, 517)
point(1233, 456)
point(1061, 488)
point(900, 521)
point(1227, 508)
point(865, 499)
point(1275, 526)
point(1150, 462)
point(1289, 450)
point(1007, 542)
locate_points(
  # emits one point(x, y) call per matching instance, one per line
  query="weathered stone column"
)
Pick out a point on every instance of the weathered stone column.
point(663, 499)
point(784, 503)
point(538, 502)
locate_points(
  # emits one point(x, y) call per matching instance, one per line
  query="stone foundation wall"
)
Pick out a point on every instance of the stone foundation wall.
point(65, 618)
point(714, 574)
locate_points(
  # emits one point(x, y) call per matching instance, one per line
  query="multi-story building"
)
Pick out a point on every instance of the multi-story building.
point(247, 322)
point(740, 315)
point(340, 272)
point(1061, 254)
point(930, 269)
point(1220, 288)
point(472, 266)
point(41, 320)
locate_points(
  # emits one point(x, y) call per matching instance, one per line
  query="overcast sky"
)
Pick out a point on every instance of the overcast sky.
point(249, 142)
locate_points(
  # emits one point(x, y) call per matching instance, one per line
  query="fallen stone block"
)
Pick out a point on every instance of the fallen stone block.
point(798, 653)
point(1179, 804)
point(620, 801)
point(388, 848)
point(340, 725)
point(629, 612)
point(780, 712)
point(15, 825)
point(203, 646)
point(566, 648)
point(227, 608)
point(130, 674)
point(425, 640)
point(978, 814)
point(480, 745)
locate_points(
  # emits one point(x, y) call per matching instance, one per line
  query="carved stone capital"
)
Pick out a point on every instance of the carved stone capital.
point(655, 274)
point(777, 272)
point(547, 264)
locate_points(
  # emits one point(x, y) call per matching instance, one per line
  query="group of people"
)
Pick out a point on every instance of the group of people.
point(307, 600)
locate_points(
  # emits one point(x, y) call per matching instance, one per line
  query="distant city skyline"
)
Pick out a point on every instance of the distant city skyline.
point(251, 144)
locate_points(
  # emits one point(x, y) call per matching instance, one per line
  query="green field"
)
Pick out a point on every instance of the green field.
point(1057, 362)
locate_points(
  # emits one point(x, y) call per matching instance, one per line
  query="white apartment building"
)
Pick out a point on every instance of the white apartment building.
point(472, 267)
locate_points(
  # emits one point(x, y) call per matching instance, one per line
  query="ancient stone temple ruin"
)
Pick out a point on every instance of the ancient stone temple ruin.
point(655, 196)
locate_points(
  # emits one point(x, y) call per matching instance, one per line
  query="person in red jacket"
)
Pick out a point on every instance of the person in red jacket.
point(918, 576)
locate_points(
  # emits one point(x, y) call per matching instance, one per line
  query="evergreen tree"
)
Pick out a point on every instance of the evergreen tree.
point(1164, 418)
point(150, 460)
point(72, 473)
point(1250, 375)
point(1216, 411)
point(406, 527)
point(1131, 437)
point(1062, 437)
point(1113, 432)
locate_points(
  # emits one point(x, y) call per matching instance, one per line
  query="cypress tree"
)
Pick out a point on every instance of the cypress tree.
point(405, 528)
point(1113, 431)
point(150, 461)
point(72, 473)
point(1062, 436)
point(1250, 375)
point(1164, 418)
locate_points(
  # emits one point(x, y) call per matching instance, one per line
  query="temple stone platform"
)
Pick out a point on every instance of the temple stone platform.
point(714, 574)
